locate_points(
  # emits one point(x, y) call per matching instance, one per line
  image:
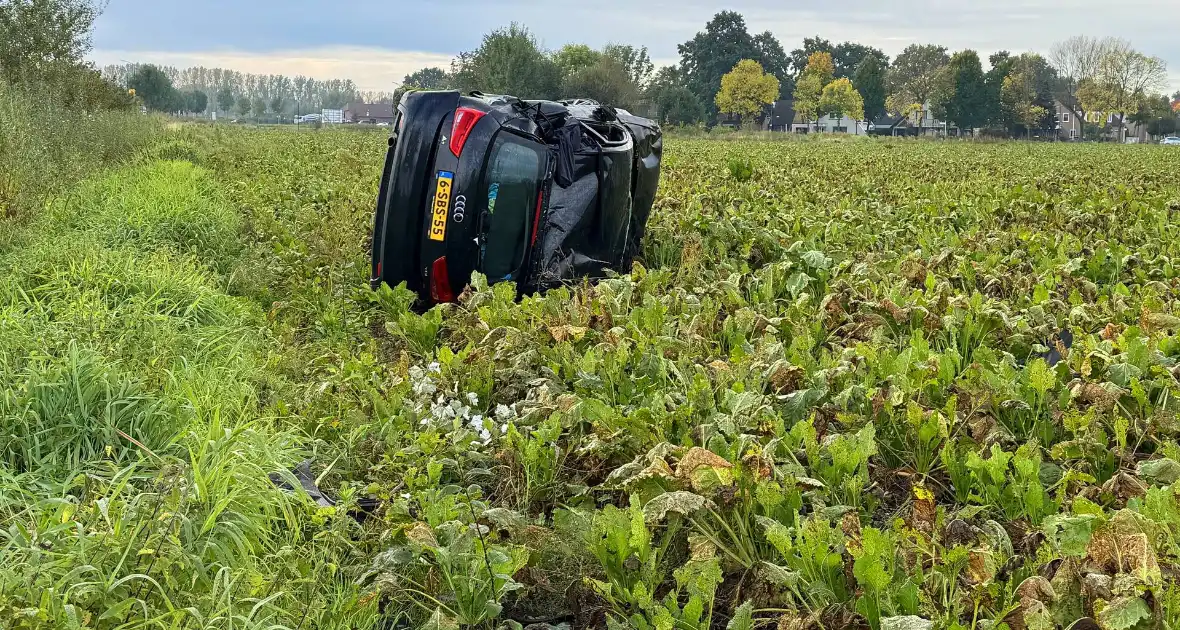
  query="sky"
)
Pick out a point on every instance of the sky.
point(377, 42)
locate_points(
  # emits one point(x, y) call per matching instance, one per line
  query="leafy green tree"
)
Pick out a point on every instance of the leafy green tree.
point(635, 61)
point(225, 99)
point(967, 102)
point(606, 81)
point(848, 56)
point(153, 86)
point(258, 107)
point(277, 103)
point(679, 106)
point(665, 93)
point(1156, 113)
point(775, 61)
point(840, 99)
point(424, 79)
point(916, 75)
point(573, 58)
point(427, 79)
point(712, 53)
point(809, 88)
point(869, 80)
point(509, 61)
point(196, 101)
point(1019, 95)
point(243, 107)
point(800, 57)
point(1002, 64)
point(35, 34)
point(81, 87)
point(746, 90)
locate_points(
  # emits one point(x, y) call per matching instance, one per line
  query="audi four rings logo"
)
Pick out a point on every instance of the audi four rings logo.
point(460, 208)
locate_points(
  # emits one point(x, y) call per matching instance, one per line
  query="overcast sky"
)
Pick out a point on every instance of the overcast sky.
point(377, 42)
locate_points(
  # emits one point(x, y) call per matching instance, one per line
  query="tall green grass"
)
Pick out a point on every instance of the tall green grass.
point(46, 148)
point(137, 428)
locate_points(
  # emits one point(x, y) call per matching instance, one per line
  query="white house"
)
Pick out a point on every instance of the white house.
point(844, 124)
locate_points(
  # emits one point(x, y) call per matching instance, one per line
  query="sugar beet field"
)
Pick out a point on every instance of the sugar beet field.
point(900, 385)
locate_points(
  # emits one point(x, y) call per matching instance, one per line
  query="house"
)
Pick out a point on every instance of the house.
point(369, 113)
point(926, 124)
point(784, 118)
point(889, 125)
point(831, 123)
point(1069, 127)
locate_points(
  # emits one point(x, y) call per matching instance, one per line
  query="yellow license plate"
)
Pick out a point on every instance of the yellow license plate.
point(442, 204)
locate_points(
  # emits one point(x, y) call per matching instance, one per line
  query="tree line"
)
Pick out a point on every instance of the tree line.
point(43, 44)
point(1016, 94)
point(171, 89)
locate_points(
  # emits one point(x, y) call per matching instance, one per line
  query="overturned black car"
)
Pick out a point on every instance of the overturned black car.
point(536, 192)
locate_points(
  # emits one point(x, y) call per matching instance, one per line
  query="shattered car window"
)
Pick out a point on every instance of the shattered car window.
point(513, 176)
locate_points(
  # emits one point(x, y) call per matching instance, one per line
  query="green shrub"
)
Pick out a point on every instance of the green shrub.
point(47, 147)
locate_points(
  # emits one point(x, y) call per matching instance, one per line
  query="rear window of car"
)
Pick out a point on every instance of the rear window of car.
point(512, 181)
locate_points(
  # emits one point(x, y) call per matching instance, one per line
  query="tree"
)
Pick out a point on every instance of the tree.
point(1019, 96)
point(634, 61)
point(427, 79)
point(848, 56)
point(809, 88)
point(967, 103)
point(509, 61)
point(840, 99)
point(869, 80)
point(1156, 113)
point(424, 79)
point(154, 87)
point(1077, 61)
point(808, 91)
point(801, 56)
point(35, 34)
point(820, 64)
point(916, 75)
point(775, 61)
point(679, 106)
point(243, 106)
point(712, 53)
point(225, 99)
point(258, 107)
point(1002, 64)
point(572, 58)
point(277, 103)
point(606, 82)
point(196, 101)
point(1125, 77)
point(746, 90)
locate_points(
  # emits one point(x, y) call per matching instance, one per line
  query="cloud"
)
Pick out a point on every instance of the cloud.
point(369, 37)
point(371, 68)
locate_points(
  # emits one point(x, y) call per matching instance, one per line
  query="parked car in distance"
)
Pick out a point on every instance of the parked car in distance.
point(540, 193)
point(1171, 140)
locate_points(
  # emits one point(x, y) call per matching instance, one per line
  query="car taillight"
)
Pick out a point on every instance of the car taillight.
point(440, 282)
point(465, 119)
